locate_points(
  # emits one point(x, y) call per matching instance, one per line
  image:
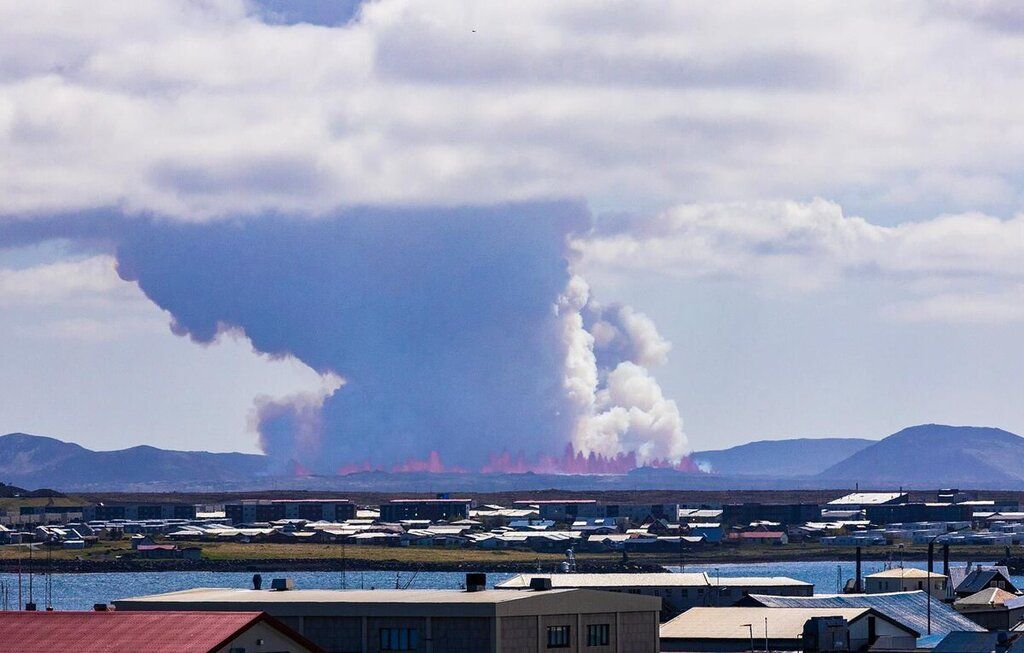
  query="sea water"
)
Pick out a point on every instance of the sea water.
point(82, 591)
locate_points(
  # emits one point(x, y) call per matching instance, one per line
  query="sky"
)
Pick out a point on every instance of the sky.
point(793, 219)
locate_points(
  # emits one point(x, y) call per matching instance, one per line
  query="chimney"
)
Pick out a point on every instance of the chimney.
point(282, 584)
point(540, 584)
point(476, 582)
point(857, 581)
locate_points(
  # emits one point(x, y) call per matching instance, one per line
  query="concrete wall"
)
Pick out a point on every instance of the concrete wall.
point(461, 634)
point(638, 632)
point(520, 634)
point(335, 634)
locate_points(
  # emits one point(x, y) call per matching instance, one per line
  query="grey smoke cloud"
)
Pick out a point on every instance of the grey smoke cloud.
point(439, 330)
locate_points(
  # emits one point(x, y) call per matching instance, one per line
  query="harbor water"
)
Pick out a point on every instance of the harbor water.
point(82, 591)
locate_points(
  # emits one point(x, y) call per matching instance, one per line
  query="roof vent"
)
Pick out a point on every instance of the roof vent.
point(476, 582)
point(282, 584)
point(99, 607)
point(540, 584)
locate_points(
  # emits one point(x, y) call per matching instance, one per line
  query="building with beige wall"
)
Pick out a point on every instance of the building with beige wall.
point(906, 580)
point(441, 621)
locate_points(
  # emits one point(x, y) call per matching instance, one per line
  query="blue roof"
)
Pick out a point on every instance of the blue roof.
point(979, 643)
point(907, 608)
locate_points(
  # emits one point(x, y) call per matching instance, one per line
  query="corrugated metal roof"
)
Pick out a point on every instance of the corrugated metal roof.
point(108, 632)
point(908, 608)
point(988, 597)
point(731, 623)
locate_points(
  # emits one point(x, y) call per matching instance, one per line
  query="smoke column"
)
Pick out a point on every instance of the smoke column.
point(452, 338)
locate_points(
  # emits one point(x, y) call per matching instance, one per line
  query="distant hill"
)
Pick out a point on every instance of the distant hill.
point(934, 455)
point(781, 458)
point(36, 461)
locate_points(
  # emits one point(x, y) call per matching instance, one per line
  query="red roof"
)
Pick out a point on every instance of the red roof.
point(119, 632)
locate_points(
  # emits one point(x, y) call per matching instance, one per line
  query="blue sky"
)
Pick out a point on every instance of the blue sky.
point(817, 207)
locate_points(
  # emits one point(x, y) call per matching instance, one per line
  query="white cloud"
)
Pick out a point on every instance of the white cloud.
point(954, 266)
point(90, 281)
point(200, 109)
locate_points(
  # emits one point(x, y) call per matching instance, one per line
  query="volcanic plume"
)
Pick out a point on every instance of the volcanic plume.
point(448, 338)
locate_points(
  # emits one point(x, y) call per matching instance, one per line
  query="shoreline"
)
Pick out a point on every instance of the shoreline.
point(636, 563)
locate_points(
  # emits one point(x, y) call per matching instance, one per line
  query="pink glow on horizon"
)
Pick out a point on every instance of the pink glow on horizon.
point(570, 462)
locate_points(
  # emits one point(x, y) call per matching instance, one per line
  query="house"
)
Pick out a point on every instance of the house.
point(435, 510)
point(678, 591)
point(982, 578)
point(906, 580)
point(248, 511)
point(910, 608)
point(153, 632)
point(992, 608)
point(775, 538)
point(476, 620)
point(711, 531)
point(167, 552)
point(777, 629)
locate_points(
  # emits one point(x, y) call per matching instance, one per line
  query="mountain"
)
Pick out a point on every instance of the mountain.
point(781, 458)
point(935, 455)
point(36, 461)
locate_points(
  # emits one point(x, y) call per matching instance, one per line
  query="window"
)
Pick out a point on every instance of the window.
point(598, 634)
point(399, 639)
point(558, 637)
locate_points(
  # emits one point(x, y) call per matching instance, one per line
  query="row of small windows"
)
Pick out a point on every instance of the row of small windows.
point(407, 639)
point(597, 635)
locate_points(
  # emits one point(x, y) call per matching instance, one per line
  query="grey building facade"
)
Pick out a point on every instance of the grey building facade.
point(441, 621)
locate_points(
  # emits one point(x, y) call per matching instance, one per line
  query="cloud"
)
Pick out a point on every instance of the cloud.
point(212, 109)
point(813, 245)
point(91, 281)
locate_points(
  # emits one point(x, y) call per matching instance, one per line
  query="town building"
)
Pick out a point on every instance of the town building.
point(919, 512)
point(565, 510)
point(910, 608)
point(992, 608)
point(779, 629)
point(982, 578)
point(440, 621)
point(434, 510)
point(861, 500)
point(678, 591)
point(152, 632)
point(906, 579)
point(249, 511)
point(781, 513)
point(137, 511)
